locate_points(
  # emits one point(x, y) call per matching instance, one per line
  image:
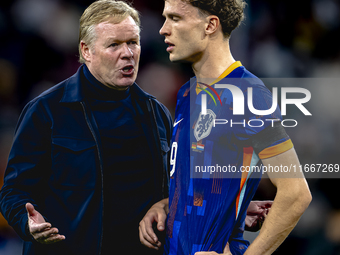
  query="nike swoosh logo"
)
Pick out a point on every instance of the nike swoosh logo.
point(175, 124)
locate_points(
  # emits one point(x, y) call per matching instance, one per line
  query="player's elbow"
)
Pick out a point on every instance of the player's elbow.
point(307, 199)
point(303, 198)
point(295, 195)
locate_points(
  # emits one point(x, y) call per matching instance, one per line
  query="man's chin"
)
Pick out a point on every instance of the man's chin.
point(175, 59)
point(126, 81)
point(122, 85)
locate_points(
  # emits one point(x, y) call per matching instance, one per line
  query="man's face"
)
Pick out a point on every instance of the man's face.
point(184, 31)
point(113, 58)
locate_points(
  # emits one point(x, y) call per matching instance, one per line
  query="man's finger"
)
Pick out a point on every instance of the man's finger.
point(148, 228)
point(161, 222)
point(30, 209)
point(144, 234)
point(265, 203)
point(226, 248)
point(52, 239)
point(160, 226)
point(47, 233)
point(37, 228)
point(55, 238)
point(147, 240)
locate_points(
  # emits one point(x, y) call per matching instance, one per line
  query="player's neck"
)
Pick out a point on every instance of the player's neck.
point(214, 61)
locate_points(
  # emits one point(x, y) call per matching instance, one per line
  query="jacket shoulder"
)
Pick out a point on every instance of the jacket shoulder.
point(53, 93)
point(162, 107)
point(159, 106)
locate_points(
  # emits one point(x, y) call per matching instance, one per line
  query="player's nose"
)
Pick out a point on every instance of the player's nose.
point(165, 29)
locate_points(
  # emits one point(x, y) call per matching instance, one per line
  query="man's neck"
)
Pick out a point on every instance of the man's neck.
point(215, 60)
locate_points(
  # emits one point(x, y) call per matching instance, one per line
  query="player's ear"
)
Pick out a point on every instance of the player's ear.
point(213, 23)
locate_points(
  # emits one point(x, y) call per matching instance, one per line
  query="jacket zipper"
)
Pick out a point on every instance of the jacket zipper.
point(101, 168)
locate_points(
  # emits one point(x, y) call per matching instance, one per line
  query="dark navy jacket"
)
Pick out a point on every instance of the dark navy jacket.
point(56, 164)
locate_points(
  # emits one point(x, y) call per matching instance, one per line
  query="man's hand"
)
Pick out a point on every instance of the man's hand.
point(41, 230)
point(157, 213)
point(226, 251)
point(256, 213)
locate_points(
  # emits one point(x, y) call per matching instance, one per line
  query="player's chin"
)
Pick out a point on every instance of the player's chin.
point(178, 59)
point(174, 58)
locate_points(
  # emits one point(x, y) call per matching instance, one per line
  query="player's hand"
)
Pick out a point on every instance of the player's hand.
point(256, 214)
point(226, 251)
point(41, 230)
point(156, 214)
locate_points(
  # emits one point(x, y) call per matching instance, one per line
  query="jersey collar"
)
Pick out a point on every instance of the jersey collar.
point(231, 68)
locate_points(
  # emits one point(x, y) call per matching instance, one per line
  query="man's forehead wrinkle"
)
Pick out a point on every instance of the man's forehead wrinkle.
point(106, 25)
point(129, 31)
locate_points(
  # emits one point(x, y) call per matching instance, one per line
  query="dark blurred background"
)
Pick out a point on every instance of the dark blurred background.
point(278, 39)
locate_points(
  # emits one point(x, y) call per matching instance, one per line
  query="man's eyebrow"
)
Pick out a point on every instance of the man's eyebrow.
point(176, 14)
point(118, 40)
point(111, 39)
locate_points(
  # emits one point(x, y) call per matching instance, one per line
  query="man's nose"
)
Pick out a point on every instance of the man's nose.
point(164, 29)
point(126, 51)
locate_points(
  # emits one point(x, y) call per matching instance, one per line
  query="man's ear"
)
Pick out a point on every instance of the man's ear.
point(85, 51)
point(213, 23)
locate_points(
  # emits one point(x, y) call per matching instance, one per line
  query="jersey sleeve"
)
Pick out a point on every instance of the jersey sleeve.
point(264, 132)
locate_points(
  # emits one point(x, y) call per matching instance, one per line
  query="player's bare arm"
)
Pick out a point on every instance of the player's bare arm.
point(157, 213)
point(292, 199)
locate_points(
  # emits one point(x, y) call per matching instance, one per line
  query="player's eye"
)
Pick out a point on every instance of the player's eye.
point(174, 18)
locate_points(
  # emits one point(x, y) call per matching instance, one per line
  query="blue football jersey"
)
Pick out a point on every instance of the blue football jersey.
point(209, 194)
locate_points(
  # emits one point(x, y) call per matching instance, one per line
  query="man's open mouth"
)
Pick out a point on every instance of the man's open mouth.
point(127, 70)
point(170, 46)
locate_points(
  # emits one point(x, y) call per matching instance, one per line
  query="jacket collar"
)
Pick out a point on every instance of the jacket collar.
point(73, 91)
point(139, 92)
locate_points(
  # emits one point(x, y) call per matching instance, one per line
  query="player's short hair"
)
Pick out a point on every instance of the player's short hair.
point(101, 11)
point(230, 12)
